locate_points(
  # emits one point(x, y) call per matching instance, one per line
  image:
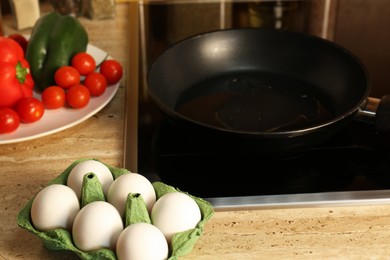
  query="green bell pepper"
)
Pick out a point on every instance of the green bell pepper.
point(54, 39)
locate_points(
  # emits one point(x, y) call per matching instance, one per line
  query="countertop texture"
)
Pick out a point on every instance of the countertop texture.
point(328, 232)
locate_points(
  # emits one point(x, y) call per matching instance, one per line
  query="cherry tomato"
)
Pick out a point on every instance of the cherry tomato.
point(30, 109)
point(53, 97)
point(78, 96)
point(20, 39)
point(9, 120)
point(96, 83)
point(111, 70)
point(66, 76)
point(84, 63)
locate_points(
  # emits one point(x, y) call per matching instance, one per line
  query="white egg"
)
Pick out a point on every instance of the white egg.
point(142, 241)
point(131, 183)
point(55, 206)
point(175, 212)
point(97, 225)
point(76, 175)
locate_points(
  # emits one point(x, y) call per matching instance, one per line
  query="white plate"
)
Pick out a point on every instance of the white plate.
point(56, 120)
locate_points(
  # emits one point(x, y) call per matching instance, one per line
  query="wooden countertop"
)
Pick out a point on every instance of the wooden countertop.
point(358, 232)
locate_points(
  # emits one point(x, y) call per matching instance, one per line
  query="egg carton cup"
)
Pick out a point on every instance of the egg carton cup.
point(61, 239)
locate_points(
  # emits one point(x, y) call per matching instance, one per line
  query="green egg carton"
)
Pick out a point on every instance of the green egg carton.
point(61, 239)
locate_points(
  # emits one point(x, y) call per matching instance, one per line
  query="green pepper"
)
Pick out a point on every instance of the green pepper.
point(54, 39)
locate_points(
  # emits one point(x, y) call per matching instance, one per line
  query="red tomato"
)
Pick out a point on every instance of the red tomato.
point(78, 96)
point(53, 97)
point(84, 63)
point(66, 76)
point(30, 109)
point(20, 39)
point(111, 70)
point(96, 83)
point(9, 120)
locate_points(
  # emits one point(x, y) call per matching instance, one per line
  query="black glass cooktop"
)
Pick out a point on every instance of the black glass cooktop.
point(207, 165)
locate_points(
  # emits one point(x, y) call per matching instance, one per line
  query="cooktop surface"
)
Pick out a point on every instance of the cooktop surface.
point(210, 166)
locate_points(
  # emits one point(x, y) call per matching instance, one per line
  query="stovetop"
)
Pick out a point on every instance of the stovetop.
point(210, 166)
point(353, 166)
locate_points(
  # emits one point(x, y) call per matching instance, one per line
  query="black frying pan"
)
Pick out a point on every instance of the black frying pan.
point(283, 90)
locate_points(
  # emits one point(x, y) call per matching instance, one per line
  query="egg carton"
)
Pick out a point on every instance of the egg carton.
point(61, 239)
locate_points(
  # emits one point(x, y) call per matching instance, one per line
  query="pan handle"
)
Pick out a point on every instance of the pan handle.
point(378, 111)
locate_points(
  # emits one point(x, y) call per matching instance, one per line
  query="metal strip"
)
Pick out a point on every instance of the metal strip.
point(348, 198)
point(130, 157)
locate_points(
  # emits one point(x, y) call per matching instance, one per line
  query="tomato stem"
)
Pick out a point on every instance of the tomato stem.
point(21, 72)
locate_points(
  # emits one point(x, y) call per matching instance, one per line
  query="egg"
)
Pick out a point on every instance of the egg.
point(97, 225)
point(175, 212)
point(142, 241)
point(131, 183)
point(76, 175)
point(55, 206)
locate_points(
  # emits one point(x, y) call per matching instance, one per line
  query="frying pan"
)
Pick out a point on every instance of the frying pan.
point(272, 89)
